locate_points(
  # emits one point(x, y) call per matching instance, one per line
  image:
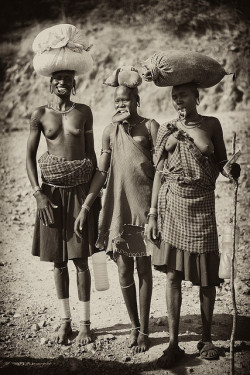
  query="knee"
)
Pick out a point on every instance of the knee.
point(143, 270)
point(81, 265)
point(173, 279)
point(125, 275)
point(60, 266)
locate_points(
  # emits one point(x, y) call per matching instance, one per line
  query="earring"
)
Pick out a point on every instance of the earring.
point(50, 89)
point(74, 88)
point(138, 104)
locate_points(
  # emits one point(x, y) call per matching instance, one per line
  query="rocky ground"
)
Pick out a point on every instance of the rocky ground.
point(29, 310)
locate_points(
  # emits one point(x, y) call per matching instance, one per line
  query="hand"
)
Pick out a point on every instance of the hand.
point(80, 221)
point(152, 230)
point(235, 171)
point(44, 208)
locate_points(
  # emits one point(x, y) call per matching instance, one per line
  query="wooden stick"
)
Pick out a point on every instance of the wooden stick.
point(232, 340)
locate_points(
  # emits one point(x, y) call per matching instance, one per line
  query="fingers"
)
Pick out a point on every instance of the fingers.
point(155, 233)
point(53, 205)
point(49, 213)
point(77, 228)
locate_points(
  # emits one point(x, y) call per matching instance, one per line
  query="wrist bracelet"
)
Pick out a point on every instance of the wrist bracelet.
point(36, 189)
point(152, 211)
point(86, 207)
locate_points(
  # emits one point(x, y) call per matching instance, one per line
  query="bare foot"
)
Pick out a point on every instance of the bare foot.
point(62, 335)
point(143, 343)
point(132, 340)
point(84, 336)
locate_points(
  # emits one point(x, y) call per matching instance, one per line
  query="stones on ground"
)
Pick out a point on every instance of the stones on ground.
point(35, 327)
point(43, 341)
point(42, 324)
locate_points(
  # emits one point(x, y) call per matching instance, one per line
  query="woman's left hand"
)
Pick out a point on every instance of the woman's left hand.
point(235, 171)
point(79, 222)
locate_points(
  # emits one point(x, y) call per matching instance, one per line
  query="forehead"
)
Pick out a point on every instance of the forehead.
point(182, 89)
point(64, 73)
point(123, 92)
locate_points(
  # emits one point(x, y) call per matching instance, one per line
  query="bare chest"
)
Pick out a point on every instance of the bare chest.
point(57, 125)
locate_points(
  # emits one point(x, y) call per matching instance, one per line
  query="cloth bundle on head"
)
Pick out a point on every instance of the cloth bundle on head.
point(179, 67)
point(61, 47)
point(125, 76)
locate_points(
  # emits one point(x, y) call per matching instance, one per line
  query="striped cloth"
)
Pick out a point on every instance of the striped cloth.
point(59, 171)
point(186, 202)
point(127, 196)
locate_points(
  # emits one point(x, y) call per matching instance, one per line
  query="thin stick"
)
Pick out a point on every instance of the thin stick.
point(232, 340)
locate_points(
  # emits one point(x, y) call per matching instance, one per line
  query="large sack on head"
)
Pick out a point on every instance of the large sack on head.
point(125, 76)
point(61, 47)
point(174, 68)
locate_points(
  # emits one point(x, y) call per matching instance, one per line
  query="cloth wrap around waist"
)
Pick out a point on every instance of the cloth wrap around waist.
point(128, 193)
point(186, 203)
point(58, 171)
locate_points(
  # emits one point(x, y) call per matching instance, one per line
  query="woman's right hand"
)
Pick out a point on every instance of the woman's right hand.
point(44, 208)
point(152, 229)
point(80, 221)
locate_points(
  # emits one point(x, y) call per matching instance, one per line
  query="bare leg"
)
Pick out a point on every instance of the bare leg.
point(207, 299)
point(144, 271)
point(61, 276)
point(83, 286)
point(126, 278)
point(173, 297)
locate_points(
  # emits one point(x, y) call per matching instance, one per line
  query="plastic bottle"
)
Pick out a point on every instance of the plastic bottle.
point(227, 251)
point(99, 263)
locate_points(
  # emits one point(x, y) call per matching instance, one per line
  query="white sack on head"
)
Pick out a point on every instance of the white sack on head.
point(174, 68)
point(61, 47)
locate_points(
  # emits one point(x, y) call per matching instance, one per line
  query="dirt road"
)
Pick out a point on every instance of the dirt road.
point(29, 310)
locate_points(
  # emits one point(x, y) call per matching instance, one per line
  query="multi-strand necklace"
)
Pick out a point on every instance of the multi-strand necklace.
point(62, 112)
point(192, 124)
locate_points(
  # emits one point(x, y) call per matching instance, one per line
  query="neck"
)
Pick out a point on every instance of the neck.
point(133, 118)
point(192, 116)
point(61, 103)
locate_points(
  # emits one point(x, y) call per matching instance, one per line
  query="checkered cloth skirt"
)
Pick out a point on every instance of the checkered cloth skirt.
point(186, 203)
point(59, 171)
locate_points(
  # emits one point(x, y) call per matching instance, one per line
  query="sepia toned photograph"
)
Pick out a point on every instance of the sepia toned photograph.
point(125, 190)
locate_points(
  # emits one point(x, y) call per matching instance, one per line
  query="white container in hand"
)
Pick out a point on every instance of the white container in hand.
point(227, 251)
point(99, 263)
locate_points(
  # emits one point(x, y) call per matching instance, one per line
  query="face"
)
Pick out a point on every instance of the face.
point(184, 99)
point(125, 101)
point(62, 82)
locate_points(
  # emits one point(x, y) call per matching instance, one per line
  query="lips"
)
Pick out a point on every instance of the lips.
point(62, 89)
point(182, 112)
point(121, 115)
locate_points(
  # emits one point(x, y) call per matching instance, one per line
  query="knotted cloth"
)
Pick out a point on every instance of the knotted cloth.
point(175, 68)
point(59, 171)
point(61, 47)
point(125, 76)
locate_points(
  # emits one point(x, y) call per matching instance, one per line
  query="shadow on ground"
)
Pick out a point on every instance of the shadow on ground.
point(190, 328)
point(65, 366)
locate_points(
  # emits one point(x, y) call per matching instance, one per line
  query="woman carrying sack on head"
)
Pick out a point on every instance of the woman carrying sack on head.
point(190, 153)
point(127, 153)
point(66, 168)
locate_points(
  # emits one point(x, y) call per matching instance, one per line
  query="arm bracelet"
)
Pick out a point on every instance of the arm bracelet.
point(86, 207)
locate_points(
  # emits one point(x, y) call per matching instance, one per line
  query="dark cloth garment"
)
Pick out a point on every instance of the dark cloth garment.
point(59, 171)
point(200, 269)
point(186, 210)
point(58, 242)
point(127, 196)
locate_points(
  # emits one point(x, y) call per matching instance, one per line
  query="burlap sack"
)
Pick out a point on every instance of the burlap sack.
point(61, 47)
point(174, 68)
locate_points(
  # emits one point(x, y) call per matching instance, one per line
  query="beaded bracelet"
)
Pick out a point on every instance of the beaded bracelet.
point(36, 189)
point(86, 207)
